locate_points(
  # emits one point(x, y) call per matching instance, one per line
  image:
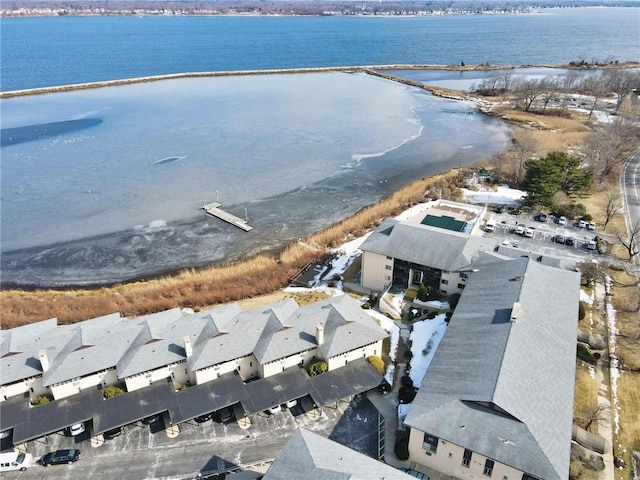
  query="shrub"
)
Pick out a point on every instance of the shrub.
point(316, 367)
point(111, 391)
point(581, 311)
point(377, 362)
point(42, 400)
point(424, 292)
point(585, 354)
point(408, 355)
point(406, 381)
point(402, 449)
point(373, 300)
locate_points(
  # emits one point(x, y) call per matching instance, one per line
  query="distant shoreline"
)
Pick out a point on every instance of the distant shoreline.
point(284, 71)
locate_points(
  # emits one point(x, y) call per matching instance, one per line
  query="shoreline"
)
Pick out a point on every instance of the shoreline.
point(369, 69)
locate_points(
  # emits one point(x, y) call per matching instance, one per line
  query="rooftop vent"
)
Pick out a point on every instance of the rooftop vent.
point(516, 311)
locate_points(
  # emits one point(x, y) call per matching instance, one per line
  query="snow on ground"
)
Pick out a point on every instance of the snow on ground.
point(615, 371)
point(503, 195)
point(334, 292)
point(425, 338)
point(585, 297)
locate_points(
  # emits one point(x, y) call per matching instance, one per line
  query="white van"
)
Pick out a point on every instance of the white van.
point(15, 461)
point(489, 227)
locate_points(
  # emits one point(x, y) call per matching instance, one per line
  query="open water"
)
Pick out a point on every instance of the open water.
point(105, 185)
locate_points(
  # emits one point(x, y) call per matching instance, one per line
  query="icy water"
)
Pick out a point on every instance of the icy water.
point(120, 197)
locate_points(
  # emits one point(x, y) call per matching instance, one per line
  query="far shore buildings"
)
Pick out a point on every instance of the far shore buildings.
point(45, 358)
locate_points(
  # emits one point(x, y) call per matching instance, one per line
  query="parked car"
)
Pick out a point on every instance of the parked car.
point(76, 429)
point(151, 419)
point(591, 245)
point(528, 233)
point(275, 409)
point(489, 227)
point(541, 217)
point(559, 239)
point(291, 403)
point(5, 434)
point(59, 457)
point(581, 224)
point(203, 418)
point(591, 226)
point(569, 241)
point(224, 415)
point(113, 433)
point(15, 460)
point(562, 220)
point(519, 230)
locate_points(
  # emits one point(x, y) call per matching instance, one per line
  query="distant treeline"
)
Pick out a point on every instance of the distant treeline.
point(287, 7)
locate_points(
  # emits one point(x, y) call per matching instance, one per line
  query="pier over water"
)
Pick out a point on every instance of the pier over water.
point(214, 210)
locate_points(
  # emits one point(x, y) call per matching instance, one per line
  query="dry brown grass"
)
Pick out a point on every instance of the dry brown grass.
point(628, 438)
point(213, 285)
point(586, 391)
point(552, 134)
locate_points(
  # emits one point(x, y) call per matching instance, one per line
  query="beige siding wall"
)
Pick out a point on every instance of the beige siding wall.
point(448, 460)
point(449, 283)
point(66, 389)
point(375, 274)
point(246, 366)
point(341, 360)
point(20, 388)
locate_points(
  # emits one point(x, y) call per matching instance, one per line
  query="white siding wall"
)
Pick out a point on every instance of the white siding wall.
point(26, 385)
point(248, 367)
point(278, 366)
point(452, 280)
point(364, 352)
point(176, 371)
point(448, 460)
point(375, 274)
point(211, 373)
point(66, 389)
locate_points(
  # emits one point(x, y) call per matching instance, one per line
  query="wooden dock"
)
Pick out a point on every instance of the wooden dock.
point(214, 210)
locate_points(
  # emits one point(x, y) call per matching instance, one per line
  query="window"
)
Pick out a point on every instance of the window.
point(417, 277)
point(445, 271)
point(464, 275)
point(443, 291)
point(461, 286)
point(388, 267)
point(488, 467)
point(387, 277)
point(444, 281)
point(430, 443)
point(466, 458)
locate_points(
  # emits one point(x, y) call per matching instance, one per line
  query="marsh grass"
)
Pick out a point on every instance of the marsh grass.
point(213, 285)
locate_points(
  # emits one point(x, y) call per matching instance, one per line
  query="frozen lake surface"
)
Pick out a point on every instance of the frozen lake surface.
point(110, 185)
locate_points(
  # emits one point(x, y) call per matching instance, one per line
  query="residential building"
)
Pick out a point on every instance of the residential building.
point(497, 398)
point(314, 457)
point(47, 359)
point(435, 245)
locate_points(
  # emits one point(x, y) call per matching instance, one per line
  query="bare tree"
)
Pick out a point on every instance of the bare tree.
point(632, 241)
point(593, 86)
point(621, 82)
point(528, 91)
point(592, 272)
point(524, 147)
point(593, 415)
point(607, 149)
point(612, 207)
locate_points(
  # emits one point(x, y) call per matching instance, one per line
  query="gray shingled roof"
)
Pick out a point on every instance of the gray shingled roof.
point(501, 382)
point(425, 245)
point(310, 456)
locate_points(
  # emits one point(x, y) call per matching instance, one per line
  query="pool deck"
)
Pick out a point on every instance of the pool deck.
point(214, 210)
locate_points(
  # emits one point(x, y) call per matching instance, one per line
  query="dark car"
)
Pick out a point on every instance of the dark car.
point(203, 418)
point(559, 239)
point(224, 415)
point(569, 241)
point(541, 217)
point(151, 419)
point(59, 457)
point(109, 434)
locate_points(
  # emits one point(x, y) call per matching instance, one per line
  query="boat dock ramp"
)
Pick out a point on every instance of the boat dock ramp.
point(214, 210)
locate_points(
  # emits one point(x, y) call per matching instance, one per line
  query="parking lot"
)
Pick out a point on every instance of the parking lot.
point(543, 236)
point(153, 451)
